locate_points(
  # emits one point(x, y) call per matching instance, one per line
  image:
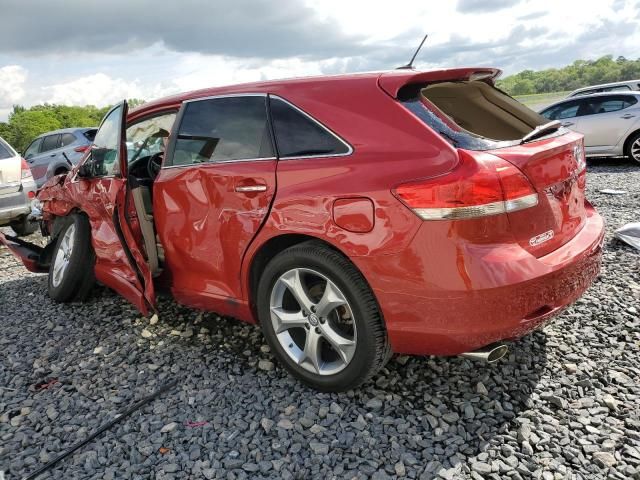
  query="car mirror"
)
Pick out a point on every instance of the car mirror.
point(86, 169)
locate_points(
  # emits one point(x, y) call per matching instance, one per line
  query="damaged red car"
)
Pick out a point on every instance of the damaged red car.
point(351, 216)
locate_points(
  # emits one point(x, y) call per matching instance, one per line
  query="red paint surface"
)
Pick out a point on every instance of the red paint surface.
point(444, 287)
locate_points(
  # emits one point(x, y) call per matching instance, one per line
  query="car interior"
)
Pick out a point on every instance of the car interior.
point(482, 109)
point(146, 144)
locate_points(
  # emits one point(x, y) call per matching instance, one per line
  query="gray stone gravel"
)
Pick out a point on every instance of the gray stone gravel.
point(564, 404)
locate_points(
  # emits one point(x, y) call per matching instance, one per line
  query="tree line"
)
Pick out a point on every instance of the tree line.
point(25, 124)
point(580, 73)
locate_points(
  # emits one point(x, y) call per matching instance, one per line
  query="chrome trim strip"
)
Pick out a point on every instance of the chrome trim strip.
point(220, 162)
point(324, 127)
point(251, 188)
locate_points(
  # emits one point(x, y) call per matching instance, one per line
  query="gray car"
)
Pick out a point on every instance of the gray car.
point(17, 190)
point(610, 122)
point(56, 152)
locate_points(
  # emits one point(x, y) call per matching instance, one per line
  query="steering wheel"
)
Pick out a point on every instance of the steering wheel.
point(154, 164)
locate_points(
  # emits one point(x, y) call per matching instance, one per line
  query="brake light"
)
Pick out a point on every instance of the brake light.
point(26, 171)
point(476, 188)
point(82, 148)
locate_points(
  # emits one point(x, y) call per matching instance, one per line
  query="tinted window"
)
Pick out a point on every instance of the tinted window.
point(91, 134)
point(565, 110)
point(49, 143)
point(610, 103)
point(105, 151)
point(67, 139)
point(5, 152)
point(223, 129)
point(33, 149)
point(298, 135)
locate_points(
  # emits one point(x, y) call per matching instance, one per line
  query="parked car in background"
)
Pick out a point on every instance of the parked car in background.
point(626, 86)
point(350, 216)
point(17, 191)
point(610, 122)
point(57, 152)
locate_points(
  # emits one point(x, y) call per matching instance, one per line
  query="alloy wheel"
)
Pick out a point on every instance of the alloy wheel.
point(313, 321)
point(63, 255)
point(635, 150)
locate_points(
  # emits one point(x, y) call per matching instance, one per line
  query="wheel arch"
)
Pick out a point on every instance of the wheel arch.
point(627, 141)
point(272, 247)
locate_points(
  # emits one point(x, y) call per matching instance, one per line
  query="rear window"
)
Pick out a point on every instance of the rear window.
point(471, 114)
point(5, 151)
point(299, 135)
point(91, 134)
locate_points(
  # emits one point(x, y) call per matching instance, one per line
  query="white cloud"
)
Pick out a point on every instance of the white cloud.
point(12, 80)
point(98, 89)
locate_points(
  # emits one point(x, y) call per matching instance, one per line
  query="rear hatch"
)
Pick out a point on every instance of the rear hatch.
point(493, 130)
point(10, 170)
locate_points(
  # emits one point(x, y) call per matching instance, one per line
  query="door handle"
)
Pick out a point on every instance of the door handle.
point(250, 188)
point(567, 124)
point(627, 116)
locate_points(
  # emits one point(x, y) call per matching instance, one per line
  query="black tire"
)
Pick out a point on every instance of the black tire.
point(633, 147)
point(77, 278)
point(24, 227)
point(372, 349)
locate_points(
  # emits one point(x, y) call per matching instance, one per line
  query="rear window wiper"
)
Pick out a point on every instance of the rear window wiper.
point(541, 130)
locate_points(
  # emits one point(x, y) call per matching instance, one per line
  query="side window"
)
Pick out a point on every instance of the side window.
point(149, 136)
point(566, 110)
point(298, 135)
point(67, 139)
point(5, 151)
point(106, 146)
point(223, 129)
point(33, 149)
point(611, 103)
point(50, 142)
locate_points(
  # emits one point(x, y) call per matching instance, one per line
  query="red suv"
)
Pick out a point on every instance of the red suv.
point(351, 216)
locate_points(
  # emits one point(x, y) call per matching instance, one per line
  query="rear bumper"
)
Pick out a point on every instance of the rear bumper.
point(445, 297)
point(16, 205)
point(34, 257)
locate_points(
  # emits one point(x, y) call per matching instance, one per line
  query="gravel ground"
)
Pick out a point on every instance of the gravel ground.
point(564, 404)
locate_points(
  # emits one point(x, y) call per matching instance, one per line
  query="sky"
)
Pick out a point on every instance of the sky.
point(80, 52)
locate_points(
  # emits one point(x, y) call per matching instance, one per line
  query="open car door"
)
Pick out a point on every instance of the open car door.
point(98, 188)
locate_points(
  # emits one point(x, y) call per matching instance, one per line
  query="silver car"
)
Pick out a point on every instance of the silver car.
point(610, 122)
point(17, 190)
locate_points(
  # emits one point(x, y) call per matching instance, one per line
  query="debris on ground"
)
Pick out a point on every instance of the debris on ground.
point(629, 234)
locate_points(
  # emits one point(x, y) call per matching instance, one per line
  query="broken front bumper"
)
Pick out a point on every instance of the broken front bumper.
point(35, 258)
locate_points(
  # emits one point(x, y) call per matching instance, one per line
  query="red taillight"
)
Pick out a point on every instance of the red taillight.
point(26, 171)
point(31, 195)
point(476, 188)
point(82, 148)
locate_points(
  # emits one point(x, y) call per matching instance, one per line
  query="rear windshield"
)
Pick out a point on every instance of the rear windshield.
point(5, 150)
point(91, 134)
point(471, 114)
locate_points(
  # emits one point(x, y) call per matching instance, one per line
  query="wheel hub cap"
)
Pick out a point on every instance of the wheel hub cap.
point(313, 320)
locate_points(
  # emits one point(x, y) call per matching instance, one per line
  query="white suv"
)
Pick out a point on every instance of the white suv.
point(17, 190)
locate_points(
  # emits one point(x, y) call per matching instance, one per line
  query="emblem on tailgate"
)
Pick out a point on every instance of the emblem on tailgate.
point(540, 239)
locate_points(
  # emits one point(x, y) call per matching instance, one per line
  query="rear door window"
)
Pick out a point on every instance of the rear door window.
point(67, 139)
point(91, 134)
point(50, 142)
point(565, 110)
point(611, 103)
point(299, 135)
point(223, 129)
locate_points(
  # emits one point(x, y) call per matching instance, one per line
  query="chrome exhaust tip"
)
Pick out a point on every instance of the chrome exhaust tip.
point(488, 354)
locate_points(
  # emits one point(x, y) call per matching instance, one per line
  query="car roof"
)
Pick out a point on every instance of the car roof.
point(591, 95)
point(389, 80)
point(66, 130)
point(605, 85)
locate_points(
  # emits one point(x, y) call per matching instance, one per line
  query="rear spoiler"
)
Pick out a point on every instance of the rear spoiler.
point(391, 82)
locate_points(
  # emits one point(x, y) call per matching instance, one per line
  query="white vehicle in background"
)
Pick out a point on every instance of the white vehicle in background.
point(626, 86)
point(17, 190)
point(610, 122)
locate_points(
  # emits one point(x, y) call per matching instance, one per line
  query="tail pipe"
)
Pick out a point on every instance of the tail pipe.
point(488, 354)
